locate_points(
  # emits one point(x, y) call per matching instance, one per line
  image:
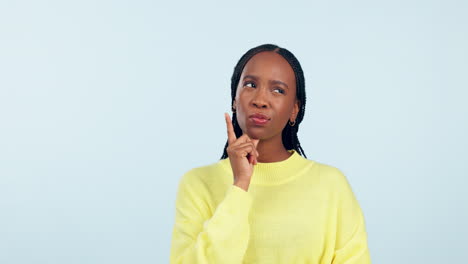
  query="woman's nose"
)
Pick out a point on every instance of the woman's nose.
point(259, 104)
point(259, 99)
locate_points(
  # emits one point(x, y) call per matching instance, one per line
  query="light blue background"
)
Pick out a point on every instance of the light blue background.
point(105, 104)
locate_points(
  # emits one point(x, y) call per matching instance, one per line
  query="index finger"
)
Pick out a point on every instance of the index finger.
point(230, 129)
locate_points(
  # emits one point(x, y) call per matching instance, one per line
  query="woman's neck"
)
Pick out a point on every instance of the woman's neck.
point(272, 150)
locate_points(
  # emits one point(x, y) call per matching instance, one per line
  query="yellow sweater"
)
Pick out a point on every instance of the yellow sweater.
point(295, 211)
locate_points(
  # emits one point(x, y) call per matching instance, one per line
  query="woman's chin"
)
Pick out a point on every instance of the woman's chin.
point(254, 133)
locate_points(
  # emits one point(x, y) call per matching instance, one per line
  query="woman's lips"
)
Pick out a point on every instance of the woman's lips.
point(259, 121)
point(259, 118)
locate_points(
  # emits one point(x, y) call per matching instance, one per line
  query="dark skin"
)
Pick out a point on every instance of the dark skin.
point(268, 86)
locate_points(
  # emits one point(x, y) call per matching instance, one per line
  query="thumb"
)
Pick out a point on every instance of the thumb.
point(255, 141)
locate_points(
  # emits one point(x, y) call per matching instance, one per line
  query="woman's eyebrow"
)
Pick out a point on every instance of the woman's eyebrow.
point(250, 76)
point(271, 81)
point(279, 82)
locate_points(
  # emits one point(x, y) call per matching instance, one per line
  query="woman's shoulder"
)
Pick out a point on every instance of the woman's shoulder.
point(330, 173)
point(208, 173)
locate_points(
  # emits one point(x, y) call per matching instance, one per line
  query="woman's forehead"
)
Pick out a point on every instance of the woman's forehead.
point(270, 65)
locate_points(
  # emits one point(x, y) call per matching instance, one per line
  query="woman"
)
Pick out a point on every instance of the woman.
point(264, 201)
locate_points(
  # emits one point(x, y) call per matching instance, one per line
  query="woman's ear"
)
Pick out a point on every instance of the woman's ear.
point(295, 110)
point(234, 106)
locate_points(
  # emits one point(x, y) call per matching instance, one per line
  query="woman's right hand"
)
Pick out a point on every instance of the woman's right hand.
point(242, 154)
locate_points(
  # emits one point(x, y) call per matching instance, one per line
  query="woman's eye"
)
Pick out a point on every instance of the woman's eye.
point(279, 90)
point(249, 84)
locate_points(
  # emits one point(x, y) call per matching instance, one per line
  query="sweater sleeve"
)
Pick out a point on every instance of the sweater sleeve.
point(199, 237)
point(351, 239)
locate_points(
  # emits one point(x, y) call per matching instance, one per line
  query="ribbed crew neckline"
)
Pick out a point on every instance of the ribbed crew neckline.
point(273, 173)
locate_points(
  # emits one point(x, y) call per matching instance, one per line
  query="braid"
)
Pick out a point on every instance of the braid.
point(289, 134)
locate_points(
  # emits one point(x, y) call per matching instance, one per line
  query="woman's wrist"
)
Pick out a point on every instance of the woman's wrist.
point(242, 184)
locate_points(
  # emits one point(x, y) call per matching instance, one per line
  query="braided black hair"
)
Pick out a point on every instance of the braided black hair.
point(289, 134)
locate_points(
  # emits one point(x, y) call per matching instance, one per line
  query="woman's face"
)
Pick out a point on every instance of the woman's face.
point(267, 87)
